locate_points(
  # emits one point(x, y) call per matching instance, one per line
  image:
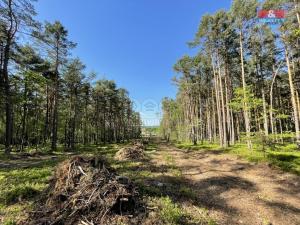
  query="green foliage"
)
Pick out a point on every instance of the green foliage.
point(243, 10)
point(10, 222)
point(170, 212)
point(237, 103)
point(297, 33)
point(282, 116)
point(287, 161)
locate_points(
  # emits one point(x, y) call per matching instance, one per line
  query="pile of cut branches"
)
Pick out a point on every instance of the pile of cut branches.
point(136, 151)
point(86, 191)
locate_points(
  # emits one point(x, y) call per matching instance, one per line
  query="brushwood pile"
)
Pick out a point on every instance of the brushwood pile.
point(85, 190)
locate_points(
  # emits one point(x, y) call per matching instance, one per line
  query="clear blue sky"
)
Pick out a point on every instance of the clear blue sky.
point(134, 42)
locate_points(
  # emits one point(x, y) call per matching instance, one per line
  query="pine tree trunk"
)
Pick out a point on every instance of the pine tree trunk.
point(8, 100)
point(216, 85)
point(224, 127)
point(293, 98)
point(55, 101)
point(245, 106)
point(266, 128)
point(297, 13)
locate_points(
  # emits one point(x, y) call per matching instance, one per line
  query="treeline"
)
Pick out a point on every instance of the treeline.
point(47, 98)
point(244, 80)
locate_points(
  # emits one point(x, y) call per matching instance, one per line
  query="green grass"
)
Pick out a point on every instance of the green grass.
point(20, 186)
point(284, 156)
point(204, 145)
point(171, 213)
point(187, 192)
point(151, 147)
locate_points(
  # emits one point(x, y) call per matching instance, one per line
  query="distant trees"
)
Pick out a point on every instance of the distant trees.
point(47, 96)
point(245, 78)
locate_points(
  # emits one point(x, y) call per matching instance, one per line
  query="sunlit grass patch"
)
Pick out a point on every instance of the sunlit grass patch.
point(287, 161)
point(172, 213)
point(19, 187)
point(282, 157)
point(13, 213)
point(200, 146)
point(253, 155)
point(169, 212)
point(151, 147)
point(168, 158)
point(288, 147)
point(137, 175)
point(122, 166)
point(285, 156)
point(22, 183)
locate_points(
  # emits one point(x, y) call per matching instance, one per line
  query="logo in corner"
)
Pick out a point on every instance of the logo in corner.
point(271, 16)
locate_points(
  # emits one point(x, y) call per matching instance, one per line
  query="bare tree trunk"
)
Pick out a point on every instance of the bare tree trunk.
point(54, 121)
point(24, 118)
point(297, 13)
point(216, 85)
point(55, 100)
point(298, 104)
point(224, 142)
point(232, 128)
point(245, 106)
point(46, 126)
point(8, 100)
point(293, 98)
point(214, 126)
point(266, 128)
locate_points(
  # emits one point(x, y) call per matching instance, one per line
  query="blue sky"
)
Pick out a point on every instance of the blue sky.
point(134, 42)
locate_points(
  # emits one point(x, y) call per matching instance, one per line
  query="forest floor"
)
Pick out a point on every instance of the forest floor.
point(179, 186)
point(236, 191)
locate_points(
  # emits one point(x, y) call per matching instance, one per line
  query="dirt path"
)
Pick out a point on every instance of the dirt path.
point(236, 191)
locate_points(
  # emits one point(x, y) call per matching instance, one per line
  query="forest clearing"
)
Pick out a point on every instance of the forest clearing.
point(176, 186)
point(203, 134)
